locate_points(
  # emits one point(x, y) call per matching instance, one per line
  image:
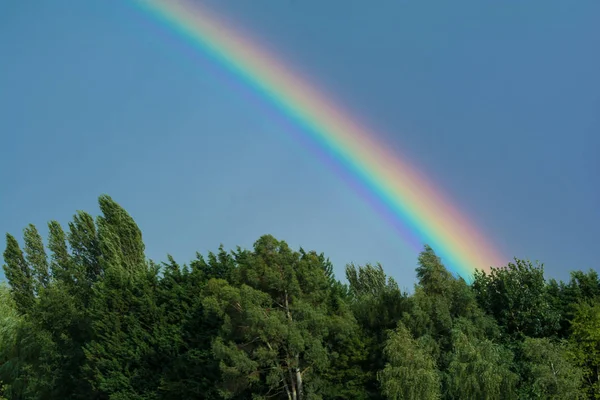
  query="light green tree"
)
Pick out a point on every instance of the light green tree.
point(479, 369)
point(410, 372)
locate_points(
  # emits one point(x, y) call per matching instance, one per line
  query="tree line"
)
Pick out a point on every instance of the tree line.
point(87, 315)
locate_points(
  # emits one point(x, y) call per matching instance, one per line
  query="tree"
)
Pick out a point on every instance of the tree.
point(85, 251)
point(36, 257)
point(433, 301)
point(410, 372)
point(10, 322)
point(19, 275)
point(275, 322)
point(378, 305)
point(566, 297)
point(190, 370)
point(433, 277)
point(585, 344)
point(60, 259)
point(551, 373)
point(479, 368)
point(127, 326)
point(346, 343)
point(91, 318)
point(122, 237)
point(127, 323)
point(518, 298)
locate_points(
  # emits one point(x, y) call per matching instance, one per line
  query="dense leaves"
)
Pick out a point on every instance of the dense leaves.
point(410, 372)
point(88, 316)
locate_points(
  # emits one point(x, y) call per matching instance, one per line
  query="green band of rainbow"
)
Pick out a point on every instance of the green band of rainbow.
point(405, 192)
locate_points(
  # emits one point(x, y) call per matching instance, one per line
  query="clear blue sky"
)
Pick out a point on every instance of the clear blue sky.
point(499, 102)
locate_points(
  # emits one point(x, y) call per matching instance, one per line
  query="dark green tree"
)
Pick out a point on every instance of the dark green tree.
point(19, 275)
point(60, 259)
point(565, 297)
point(127, 323)
point(275, 322)
point(378, 305)
point(122, 237)
point(190, 371)
point(36, 257)
point(85, 250)
point(551, 372)
point(518, 298)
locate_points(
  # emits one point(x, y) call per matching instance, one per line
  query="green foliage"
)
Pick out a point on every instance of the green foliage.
point(19, 275)
point(378, 305)
point(85, 249)
point(127, 326)
point(518, 298)
point(122, 235)
point(10, 322)
point(60, 259)
point(276, 321)
point(551, 371)
point(585, 341)
point(479, 368)
point(582, 287)
point(90, 318)
point(410, 372)
point(36, 257)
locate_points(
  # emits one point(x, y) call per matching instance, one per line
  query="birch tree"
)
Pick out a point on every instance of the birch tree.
point(410, 372)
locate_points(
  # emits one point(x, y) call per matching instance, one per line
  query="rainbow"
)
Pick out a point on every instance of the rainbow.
point(404, 192)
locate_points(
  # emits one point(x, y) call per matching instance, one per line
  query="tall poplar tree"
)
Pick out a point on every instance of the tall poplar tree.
point(36, 257)
point(19, 275)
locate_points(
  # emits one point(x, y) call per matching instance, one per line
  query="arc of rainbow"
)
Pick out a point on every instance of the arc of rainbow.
point(405, 192)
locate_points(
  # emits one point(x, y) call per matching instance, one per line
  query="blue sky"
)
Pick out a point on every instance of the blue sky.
point(498, 102)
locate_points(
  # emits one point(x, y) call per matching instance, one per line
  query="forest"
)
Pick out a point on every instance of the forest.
point(84, 314)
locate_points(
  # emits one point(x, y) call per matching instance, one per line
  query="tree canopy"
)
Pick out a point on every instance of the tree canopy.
point(86, 315)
